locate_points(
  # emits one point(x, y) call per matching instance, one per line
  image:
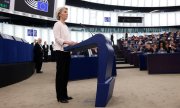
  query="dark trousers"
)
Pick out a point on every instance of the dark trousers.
point(62, 73)
point(45, 56)
point(38, 65)
point(52, 55)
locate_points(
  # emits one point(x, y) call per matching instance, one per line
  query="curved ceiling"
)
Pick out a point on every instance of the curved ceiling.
point(130, 9)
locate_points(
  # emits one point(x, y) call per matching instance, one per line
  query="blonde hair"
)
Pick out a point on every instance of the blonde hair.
point(59, 10)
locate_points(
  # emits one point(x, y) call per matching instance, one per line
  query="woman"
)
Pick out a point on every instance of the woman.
point(62, 39)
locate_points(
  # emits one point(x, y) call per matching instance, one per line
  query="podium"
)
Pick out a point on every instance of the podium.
point(106, 57)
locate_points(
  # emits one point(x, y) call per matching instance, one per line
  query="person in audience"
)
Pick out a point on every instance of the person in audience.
point(62, 39)
point(172, 47)
point(52, 51)
point(155, 48)
point(148, 48)
point(140, 48)
point(162, 47)
point(38, 56)
point(46, 50)
point(112, 39)
point(178, 48)
point(33, 43)
point(126, 35)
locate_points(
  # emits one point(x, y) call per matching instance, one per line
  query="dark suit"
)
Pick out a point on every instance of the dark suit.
point(112, 39)
point(38, 57)
point(46, 50)
point(52, 53)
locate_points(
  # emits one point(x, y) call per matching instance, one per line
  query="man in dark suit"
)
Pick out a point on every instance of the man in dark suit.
point(33, 43)
point(112, 39)
point(46, 50)
point(38, 56)
point(52, 51)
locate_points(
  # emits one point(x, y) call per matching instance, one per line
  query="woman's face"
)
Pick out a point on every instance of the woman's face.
point(64, 14)
point(161, 44)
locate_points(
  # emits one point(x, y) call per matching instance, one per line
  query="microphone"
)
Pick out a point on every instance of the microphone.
point(86, 28)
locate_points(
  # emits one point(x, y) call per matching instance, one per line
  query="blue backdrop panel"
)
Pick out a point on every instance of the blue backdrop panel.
point(143, 61)
point(1, 50)
point(9, 51)
point(29, 52)
point(21, 57)
point(12, 51)
point(106, 63)
point(83, 67)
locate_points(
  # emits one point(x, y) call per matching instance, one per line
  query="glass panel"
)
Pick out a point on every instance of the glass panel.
point(79, 36)
point(114, 19)
point(134, 2)
point(44, 35)
point(100, 1)
point(114, 2)
point(73, 36)
point(86, 35)
point(177, 2)
point(100, 18)
point(178, 18)
point(148, 3)
point(93, 17)
point(73, 14)
point(115, 38)
point(155, 19)
point(60, 3)
point(127, 2)
point(163, 2)
point(147, 20)
point(121, 2)
point(155, 3)
point(19, 31)
point(141, 3)
point(80, 15)
point(51, 36)
point(171, 2)
point(8, 29)
point(86, 16)
point(93, 1)
point(107, 2)
point(171, 19)
point(163, 17)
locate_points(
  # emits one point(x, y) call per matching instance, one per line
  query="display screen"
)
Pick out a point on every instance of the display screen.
point(38, 7)
point(4, 4)
point(107, 19)
point(123, 19)
point(31, 32)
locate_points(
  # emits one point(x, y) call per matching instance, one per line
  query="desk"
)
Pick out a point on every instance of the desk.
point(83, 67)
point(143, 61)
point(163, 63)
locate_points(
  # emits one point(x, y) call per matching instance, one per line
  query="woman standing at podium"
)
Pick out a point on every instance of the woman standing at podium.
point(62, 39)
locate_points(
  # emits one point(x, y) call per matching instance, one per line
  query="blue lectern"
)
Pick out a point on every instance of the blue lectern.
point(106, 80)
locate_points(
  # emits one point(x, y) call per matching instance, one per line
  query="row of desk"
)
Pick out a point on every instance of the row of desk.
point(161, 63)
point(12, 51)
point(15, 61)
